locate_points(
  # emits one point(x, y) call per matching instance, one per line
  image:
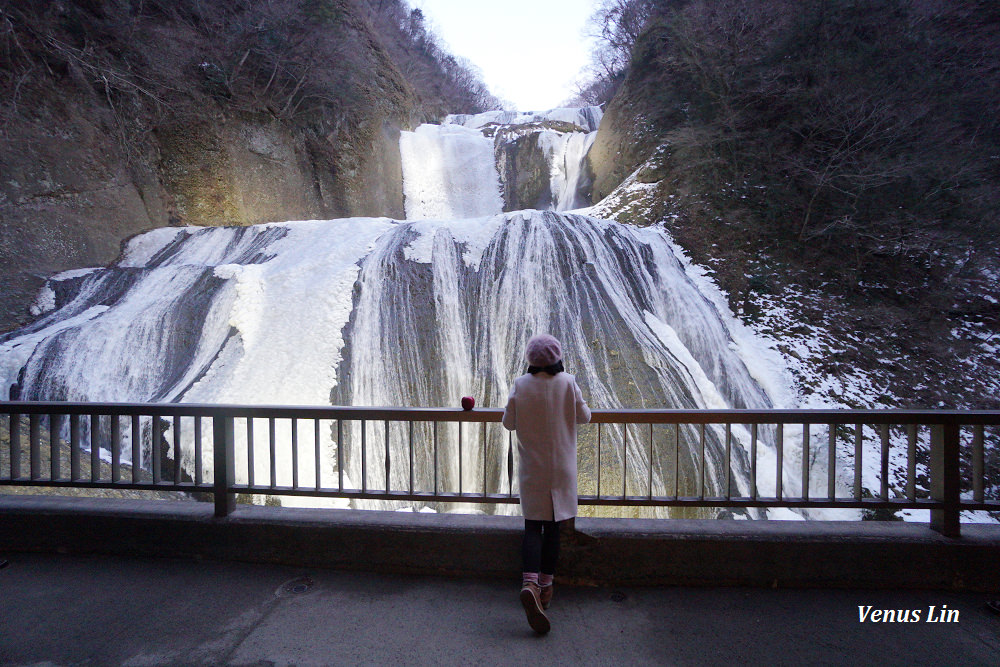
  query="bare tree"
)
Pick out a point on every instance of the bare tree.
point(850, 145)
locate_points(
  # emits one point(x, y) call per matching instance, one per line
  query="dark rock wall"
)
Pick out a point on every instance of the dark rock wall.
point(523, 166)
point(69, 195)
point(73, 187)
point(524, 173)
point(67, 199)
point(619, 147)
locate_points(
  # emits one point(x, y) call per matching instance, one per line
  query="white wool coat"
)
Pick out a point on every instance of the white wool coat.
point(544, 410)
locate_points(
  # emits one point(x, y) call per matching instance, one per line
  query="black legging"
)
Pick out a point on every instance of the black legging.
point(540, 548)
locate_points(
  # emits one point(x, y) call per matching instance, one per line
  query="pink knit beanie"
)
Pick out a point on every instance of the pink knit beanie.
point(543, 350)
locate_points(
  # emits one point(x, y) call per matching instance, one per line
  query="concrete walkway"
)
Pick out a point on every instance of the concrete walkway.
point(109, 610)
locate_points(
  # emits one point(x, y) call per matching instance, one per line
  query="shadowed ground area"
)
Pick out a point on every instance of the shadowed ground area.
point(58, 609)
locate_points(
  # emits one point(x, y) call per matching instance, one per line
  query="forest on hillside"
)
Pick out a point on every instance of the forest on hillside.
point(292, 59)
point(862, 125)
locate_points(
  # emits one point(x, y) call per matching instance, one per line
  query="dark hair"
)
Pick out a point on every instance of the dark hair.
point(552, 369)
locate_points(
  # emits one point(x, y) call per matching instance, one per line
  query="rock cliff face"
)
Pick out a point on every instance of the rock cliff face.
point(536, 167)
point(622, 142)
point(249, 170)
point(70, 194)
point(85, 165)
point(524, 172)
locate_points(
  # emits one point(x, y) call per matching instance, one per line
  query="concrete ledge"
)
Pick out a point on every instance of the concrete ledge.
point(600, 551)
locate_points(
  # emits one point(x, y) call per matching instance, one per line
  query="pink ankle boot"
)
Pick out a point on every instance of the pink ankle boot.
point(545, 595)
point(531, 600)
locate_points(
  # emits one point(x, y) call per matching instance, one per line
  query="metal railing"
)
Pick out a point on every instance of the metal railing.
point(942, 461)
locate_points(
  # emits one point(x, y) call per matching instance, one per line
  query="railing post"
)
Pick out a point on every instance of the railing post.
point(225, 464)
point(945, 479)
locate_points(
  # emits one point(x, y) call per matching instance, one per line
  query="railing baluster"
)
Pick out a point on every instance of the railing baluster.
point(319, 454)
point(831, 463)
point(729, 461)
point(410, 435)
point(136, 448)
point(74, 447)
point(484, 458)
point(701, 474)
point(271, 445)
point(55, 454)
point(95, 448)
point(340, 454)
point(197, 452)
point(116, 449)
point(977, 463)
point(435, 457)
point(624, 461)
point(753, 461)
point(677, 459)
point(650, 495)
point(884, 437)
point(295, 453)
point(805, 462)
point(858, 437)
point(251, 464)
point(14, 424)
point(779, 473)
point(599, 459)
point(387, 456)
point(34, 443)
point(510, 465)
point(911, 462)
point(364, 458)
point(459, 458)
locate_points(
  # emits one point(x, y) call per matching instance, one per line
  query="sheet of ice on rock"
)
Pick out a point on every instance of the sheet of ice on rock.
point(449, 172)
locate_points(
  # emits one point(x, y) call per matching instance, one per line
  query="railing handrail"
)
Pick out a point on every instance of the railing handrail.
point(494, 414)
point(942, 427)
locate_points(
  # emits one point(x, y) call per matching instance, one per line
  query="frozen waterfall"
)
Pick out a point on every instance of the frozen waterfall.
point(372, 311)
point(449, 173)
point(475, 165)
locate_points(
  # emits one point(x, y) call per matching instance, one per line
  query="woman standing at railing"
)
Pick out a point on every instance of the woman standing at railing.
point(544, 407)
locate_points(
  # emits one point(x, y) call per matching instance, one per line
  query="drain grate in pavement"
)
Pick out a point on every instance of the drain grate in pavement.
point(299, 586)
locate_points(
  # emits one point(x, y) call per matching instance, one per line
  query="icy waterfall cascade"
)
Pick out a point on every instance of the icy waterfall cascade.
point(372, 311)
point(453, 170)
point(449, 172)
point(453, 303)
point(566, 154)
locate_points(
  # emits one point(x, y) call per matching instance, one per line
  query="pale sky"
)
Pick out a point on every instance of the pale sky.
point(530, 51)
